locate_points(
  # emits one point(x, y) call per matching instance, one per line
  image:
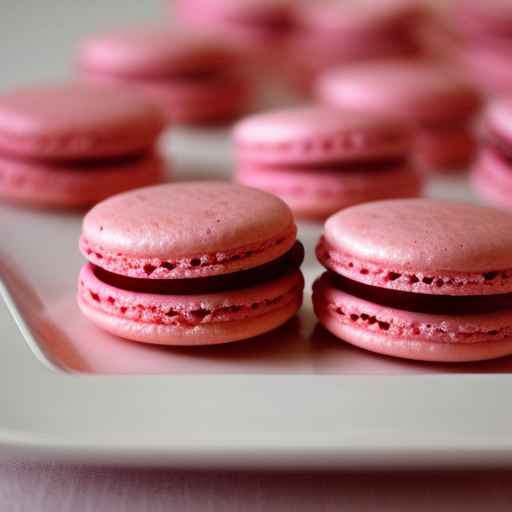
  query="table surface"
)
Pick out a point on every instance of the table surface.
point(41, 41)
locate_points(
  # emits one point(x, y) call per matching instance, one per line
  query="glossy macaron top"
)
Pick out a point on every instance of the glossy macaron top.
point(318, 135)
point(154, 51)
point(421, 245)
point(419, 91)
point(187, 230)
point(77, 120)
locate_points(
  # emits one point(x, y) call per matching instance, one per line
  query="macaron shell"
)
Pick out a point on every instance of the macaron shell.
point(419, 91)
point(77, 120)
point(318, 193)
point(214, 99)
point(67, 185)
point(445, 148)
point(317, 135)
point(421, 245)
point(399, 333)
point(154, 51)
point(187, 230)
point(190, 319)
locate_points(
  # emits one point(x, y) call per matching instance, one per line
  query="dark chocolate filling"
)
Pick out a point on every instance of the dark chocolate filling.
point(422, 302)
point(235, 280)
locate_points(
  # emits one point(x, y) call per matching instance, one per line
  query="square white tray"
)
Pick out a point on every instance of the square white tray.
point(295, 398)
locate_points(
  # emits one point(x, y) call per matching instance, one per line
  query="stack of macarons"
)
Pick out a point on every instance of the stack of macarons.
point(320, 160)
point(334, 33)
point(190, 264)
point(420, 279)
point(491, 175)
point(193, 78)
point(438, 102)
point(74, 144)
point(485, 37)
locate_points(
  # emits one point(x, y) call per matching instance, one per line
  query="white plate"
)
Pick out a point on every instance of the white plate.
point(294, 398)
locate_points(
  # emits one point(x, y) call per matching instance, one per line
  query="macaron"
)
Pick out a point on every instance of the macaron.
point(319, 160)
point(491, 175)
point(250, 24)
point(485, 41)
point(74, 144)
point(420, 279)
point(439, 102)
point(332, 33)
point(190, 264)
point(193, 78)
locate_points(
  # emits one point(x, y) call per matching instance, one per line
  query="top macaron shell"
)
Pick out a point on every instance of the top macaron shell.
point(187, 230)
point(317, 135)
point(77, 120)
point(418, 91)
point(153, 51)
point(437, 247)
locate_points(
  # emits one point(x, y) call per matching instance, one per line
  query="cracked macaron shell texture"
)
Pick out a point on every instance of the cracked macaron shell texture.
point(437, 247)
point(187, 230)
point(77, 121)
point(314, 135)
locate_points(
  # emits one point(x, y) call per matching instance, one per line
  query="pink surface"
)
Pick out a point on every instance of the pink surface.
point(423, 336)
point(187, 230)
point(422, 245)
point(317, 135)
point(154, 51)
point(73, 185)
point(190, 319)
point(419, 91)
point(77, 120)
point(320, 192)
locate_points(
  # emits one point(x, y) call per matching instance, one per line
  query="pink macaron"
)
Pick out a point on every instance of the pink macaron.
point(332, 33)
point(190, 264)
point(320, 160)
point(485, 41)
point(193, 78)
point(438, 101)
point(74, 144)
point(420, 279)
point(251, 25)
point(491, 175)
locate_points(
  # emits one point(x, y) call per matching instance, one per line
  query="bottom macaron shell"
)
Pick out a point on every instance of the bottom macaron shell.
point(410, 335)
point(190, 319)
point(199, 101)
point(445, 149)
point(316, 194)
point(74, 186)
